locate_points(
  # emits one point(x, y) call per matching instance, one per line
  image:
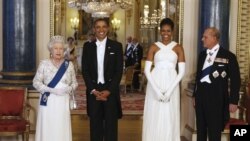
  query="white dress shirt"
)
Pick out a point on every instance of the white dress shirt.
point(101, 45)
point(211, 55)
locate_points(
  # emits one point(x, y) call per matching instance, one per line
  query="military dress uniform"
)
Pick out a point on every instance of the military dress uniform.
point(217, 86)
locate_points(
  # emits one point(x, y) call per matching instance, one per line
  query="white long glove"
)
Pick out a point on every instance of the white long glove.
point(181, 72)
point(58, 91)
point(159, 95)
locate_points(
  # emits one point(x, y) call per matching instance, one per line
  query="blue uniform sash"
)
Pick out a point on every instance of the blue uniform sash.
point(54, 82)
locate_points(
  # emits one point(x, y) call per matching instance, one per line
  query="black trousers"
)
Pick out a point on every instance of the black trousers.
point(104, 122)
point(136, 81)
point(209, 114)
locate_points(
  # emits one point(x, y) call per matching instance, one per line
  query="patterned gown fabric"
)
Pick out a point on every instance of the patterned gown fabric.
point(53, 120)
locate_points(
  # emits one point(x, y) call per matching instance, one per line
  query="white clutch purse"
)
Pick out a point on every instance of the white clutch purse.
point(72, 102)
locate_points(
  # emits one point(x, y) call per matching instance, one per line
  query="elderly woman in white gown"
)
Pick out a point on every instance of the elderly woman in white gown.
point(55, 80)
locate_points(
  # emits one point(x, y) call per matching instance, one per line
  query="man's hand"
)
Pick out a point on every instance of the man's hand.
point(193, 100)
point(101, 95)
point(105, 93)
point(98, 95)
point(232, 108)
point(101, 98)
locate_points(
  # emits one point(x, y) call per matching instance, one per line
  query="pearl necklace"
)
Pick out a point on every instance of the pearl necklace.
point(56, 64)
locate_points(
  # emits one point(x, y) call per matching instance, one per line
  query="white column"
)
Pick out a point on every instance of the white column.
point(190, 37)
point(43, 29)
point(233, 25)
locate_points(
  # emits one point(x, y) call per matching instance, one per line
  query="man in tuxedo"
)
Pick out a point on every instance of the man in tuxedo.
point(102, 66)
point(217, 87)
point(137, 55)
point(128, 52)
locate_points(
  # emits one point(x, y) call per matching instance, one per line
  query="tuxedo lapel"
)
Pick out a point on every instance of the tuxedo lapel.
point(94, 54)
point(125, 51)
point(203, 57)
point(201, 62)
point(106, 56)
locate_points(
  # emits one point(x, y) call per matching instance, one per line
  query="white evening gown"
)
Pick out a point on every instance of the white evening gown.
point(53, 120)
point(161, 121)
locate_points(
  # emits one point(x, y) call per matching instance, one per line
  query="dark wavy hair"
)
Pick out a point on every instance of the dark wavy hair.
point(167, 21)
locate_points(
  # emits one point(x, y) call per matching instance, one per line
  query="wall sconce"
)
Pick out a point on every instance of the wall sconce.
point(74, 23)
point(115, 24)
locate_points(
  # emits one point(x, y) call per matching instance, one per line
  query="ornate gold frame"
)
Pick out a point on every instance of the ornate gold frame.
point(51, 14)
point(181, 21)
point(85, 23)
point(243, 39)
point(57, 15)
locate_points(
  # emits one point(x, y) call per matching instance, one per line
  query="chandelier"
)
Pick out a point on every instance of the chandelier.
point(100, 8)
point(165, 10)
point(153, 21)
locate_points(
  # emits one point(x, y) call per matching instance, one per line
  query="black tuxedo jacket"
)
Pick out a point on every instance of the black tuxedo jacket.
point(113, 68)
point(137, 56)
point(129, 59)
point(221, 93)
point(125, 51)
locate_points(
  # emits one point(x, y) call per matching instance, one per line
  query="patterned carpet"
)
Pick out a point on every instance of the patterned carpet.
point(132, 103)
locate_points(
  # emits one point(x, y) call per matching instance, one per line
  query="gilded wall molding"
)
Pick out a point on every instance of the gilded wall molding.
point(51, 13)
point(181, 21)
point(243, 39)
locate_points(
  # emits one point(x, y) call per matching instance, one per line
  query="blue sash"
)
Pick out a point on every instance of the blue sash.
point(206, 71)
point(54, 82)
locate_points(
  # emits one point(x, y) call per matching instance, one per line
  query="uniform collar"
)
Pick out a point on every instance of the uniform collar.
point(214, 49)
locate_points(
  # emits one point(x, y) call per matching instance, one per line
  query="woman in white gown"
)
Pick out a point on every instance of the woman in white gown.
point(53, 119)
point(161, 119)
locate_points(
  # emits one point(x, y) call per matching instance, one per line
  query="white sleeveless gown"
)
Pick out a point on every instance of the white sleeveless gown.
point(161, 121)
